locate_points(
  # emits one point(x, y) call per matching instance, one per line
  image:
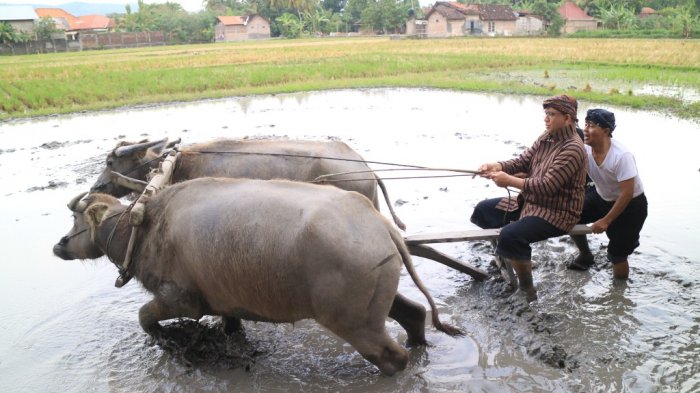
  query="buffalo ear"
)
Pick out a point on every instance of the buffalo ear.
point(94, 216)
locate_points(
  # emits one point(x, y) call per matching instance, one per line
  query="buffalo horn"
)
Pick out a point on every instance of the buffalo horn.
point(73, 205)
point(171, 144)
point(131, 149)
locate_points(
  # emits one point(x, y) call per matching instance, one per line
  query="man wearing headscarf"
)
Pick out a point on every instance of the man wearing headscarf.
point(617, 205)
point(550, 176)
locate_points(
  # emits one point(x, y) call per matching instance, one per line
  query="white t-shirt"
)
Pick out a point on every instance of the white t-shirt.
point(619, 165)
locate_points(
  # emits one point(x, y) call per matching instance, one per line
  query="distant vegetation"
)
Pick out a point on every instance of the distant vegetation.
point(309, 18)
point(299, 18)
point(611, 71)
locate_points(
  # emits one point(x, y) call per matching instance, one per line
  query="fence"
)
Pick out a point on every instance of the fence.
point(121, 40)
point(87, 41)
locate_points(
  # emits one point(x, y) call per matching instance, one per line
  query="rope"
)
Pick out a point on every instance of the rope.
point(309, 156)
point(321, 179)
point(384, 178)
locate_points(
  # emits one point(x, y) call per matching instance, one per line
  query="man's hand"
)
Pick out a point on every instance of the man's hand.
point(501, 179)
point(599, 226)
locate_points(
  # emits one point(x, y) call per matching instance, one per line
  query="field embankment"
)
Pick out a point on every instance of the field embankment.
point(644, 74)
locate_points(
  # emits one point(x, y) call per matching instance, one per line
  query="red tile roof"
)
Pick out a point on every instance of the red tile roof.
point(86, 22)
point(233, 20)
point(93, 22)
point(55, 13)
point(570, 11)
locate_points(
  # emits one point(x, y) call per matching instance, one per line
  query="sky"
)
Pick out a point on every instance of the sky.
point(188, 5)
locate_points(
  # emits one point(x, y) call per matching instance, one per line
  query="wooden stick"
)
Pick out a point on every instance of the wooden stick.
point(471, 235)
point(421, 250)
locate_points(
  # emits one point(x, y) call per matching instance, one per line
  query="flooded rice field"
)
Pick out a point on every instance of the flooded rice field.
point(66, 328)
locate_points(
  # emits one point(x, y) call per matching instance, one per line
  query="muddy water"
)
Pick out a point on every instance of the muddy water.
point(66, 328)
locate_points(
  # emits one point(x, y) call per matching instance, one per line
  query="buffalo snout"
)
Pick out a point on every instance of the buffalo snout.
point(60, 251)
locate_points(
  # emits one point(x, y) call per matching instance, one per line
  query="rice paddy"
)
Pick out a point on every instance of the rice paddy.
point(611, 71)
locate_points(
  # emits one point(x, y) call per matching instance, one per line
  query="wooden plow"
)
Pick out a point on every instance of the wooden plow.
point(418, 246)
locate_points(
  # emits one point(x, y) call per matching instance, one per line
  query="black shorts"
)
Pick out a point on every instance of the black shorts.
point(623, 233)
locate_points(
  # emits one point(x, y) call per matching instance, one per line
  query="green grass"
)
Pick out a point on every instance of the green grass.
point(591, 70)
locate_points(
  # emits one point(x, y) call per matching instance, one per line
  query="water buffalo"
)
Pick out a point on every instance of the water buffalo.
point(275, 251)
point(254, 159)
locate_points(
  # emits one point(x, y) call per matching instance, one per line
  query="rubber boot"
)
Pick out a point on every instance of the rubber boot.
point(523, 269)
point(584, 260)
point(621, 270)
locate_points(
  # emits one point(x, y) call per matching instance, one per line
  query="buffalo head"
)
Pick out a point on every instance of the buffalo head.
point(134, 160)
point(88, 213)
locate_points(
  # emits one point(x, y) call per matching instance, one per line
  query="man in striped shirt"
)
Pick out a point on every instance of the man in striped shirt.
point(550, 176)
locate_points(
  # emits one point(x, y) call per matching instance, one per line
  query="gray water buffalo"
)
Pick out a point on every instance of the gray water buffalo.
point(275, 251)
point(254, 159)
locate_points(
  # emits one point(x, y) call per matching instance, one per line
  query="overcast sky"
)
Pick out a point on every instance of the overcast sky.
point(189, 5)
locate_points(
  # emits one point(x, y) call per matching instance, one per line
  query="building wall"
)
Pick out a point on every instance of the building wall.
point(572, 26)
point(258, 28)
point(505, 27)
point(528, 25)
point(411, 26)
point(456, 28)
point(437, 26)
point(26, 26)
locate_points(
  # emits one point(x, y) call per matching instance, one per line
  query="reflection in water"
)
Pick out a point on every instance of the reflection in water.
point(66, 328)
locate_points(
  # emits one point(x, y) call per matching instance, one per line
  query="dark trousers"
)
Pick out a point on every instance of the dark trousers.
point(623, 233)
point(517, 233)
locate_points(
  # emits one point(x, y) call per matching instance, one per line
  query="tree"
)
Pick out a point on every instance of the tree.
point(9, 36)
point(385, 16)
point(684, 22)
point(45, 28)
point(290, 26)
point(317, 20)
point(550, 12)
point(618, 17)
point(335, 6)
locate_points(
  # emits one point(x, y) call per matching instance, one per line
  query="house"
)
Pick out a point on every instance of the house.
point(20, 17)
point(451, 19)
point(73, 25)
point(238, 28)
point(529, 24)
point(576, 19)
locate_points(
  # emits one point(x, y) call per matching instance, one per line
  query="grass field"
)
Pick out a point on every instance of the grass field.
point(610, 71)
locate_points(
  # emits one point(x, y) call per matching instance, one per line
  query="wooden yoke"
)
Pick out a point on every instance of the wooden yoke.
point(158, 181)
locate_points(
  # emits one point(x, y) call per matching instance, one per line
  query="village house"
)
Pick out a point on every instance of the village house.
point(73, 25)
point(453, 19)
point(576, 19)
point(238, 28)
point(20, 17)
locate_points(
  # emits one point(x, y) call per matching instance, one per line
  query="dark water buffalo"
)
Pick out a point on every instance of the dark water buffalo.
point(276, 251)
point(253, 159)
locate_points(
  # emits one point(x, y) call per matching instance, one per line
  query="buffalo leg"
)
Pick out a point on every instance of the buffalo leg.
point(411, 316)
point(231, 325)
point(159, 310)
point(375, 345)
